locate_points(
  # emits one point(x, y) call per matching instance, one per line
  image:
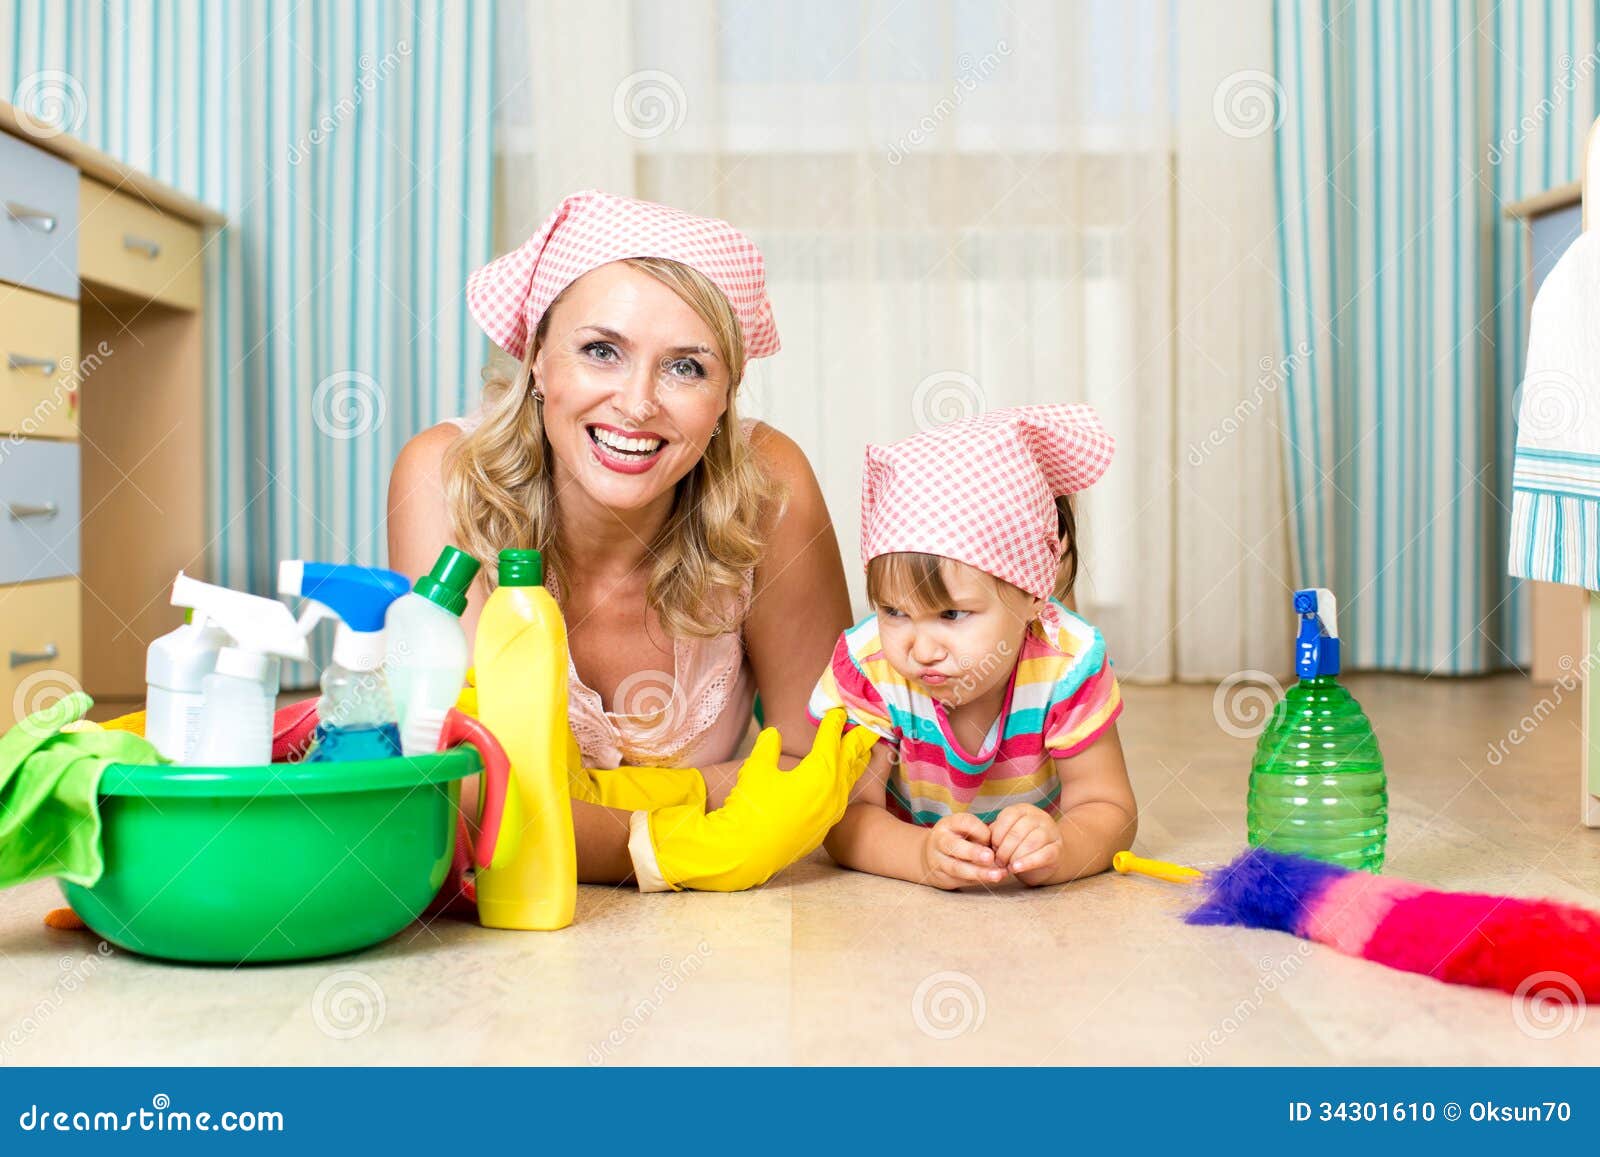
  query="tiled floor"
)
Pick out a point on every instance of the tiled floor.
point(825, 966)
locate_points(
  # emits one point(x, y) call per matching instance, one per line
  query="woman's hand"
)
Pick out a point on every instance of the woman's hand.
point(1027, 843)
point(956, 853)
point(772, 818)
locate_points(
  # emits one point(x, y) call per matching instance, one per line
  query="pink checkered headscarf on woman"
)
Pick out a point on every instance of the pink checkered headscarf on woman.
point(982, 490)
point(590, 229)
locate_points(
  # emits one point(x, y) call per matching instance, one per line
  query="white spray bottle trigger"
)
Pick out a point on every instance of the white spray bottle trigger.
point(1327, 611)
point(256, 624)
point(313, 614)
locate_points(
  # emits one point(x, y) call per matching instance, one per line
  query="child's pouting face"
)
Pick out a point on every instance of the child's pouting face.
point(948, 626)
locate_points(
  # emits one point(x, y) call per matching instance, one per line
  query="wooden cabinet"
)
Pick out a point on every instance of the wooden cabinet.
point(128, 245)
point(102, 417)
point(38, 363)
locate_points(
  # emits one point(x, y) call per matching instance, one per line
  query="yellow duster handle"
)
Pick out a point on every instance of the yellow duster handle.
point(1156, 869)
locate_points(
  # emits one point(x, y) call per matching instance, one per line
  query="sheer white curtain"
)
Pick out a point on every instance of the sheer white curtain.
point(965, 206)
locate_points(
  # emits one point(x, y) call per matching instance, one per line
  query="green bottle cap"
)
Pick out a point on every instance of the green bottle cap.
point(446, 584)
point(521, 568)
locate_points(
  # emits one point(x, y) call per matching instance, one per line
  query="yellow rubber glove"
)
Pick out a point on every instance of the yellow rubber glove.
point(771, 818)
point(467, 701)
point(647, 788)
point(624, 788)
point(132, 723)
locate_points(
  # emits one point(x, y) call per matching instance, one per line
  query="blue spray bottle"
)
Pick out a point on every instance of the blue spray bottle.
point(356, 716)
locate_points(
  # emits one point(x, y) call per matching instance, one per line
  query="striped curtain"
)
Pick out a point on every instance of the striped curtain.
point(350, 146)
point(1405, 129)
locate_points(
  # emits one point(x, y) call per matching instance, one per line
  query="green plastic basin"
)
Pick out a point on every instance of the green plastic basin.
point(281, 862)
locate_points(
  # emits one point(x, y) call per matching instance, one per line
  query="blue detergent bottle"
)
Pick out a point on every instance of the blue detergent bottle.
point(356, 716)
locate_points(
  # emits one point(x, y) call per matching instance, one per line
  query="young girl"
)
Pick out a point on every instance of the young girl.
point(995, 703)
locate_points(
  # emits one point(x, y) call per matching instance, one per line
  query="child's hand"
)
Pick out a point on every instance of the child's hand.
point(1027, 842)
point(957, 853)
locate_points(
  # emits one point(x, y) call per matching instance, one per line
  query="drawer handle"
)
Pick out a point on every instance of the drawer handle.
point(21, 510)
point(46, 366)
point(23, 658)
point(32, 218)
point(150, 249)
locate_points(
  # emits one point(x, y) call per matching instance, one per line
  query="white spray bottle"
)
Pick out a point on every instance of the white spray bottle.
point(240, 694)
point(174, 672)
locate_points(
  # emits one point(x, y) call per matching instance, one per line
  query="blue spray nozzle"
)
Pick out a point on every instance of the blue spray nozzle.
point(359, 595)
point(1316, 648)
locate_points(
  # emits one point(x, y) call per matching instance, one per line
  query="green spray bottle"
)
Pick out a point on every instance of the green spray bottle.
point(1317, 784)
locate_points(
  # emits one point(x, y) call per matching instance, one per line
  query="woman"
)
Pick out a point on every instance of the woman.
point(691, 551)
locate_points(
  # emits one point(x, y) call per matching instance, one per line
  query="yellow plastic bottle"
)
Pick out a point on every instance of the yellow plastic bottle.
point(520, 657)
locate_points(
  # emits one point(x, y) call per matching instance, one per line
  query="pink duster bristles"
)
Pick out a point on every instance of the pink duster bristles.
point(1458, 937)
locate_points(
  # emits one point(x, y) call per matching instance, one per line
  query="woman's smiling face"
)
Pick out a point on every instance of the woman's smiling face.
point(633, 387)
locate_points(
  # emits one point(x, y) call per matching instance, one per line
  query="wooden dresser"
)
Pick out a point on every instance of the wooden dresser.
point(103, 440)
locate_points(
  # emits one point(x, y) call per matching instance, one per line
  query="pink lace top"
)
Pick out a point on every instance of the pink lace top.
point(695, 714)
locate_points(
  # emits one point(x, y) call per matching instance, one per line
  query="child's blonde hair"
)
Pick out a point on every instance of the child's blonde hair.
point(912, 581)
point(501, 494)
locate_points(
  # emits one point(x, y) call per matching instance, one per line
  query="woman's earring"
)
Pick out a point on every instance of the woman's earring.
point(537, 395)
point(717, 429)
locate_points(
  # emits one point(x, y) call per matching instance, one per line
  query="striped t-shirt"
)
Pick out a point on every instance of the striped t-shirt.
point(1062, 695)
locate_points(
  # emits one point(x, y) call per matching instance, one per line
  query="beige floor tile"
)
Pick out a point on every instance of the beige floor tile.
point(825, 966)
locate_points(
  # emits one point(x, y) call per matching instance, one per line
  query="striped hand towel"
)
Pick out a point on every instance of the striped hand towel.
point(1555, 505)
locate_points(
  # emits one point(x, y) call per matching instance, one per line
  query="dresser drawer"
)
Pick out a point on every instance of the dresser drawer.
point(41, 646)
point(38, 360)
point(129, 245)
point(38, 218)
point(40, 510)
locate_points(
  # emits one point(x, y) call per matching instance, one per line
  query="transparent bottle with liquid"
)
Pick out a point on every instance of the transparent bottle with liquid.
point(356, 716)
point(1317, 783)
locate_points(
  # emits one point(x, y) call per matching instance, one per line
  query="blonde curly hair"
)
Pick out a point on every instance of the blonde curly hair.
point(501, 494)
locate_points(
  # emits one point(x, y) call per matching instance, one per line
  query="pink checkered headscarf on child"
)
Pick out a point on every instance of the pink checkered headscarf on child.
point(590, 229)
point(982, 490)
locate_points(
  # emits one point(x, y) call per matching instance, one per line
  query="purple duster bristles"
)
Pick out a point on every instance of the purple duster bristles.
point(1265, 889)
point(1504, 942)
